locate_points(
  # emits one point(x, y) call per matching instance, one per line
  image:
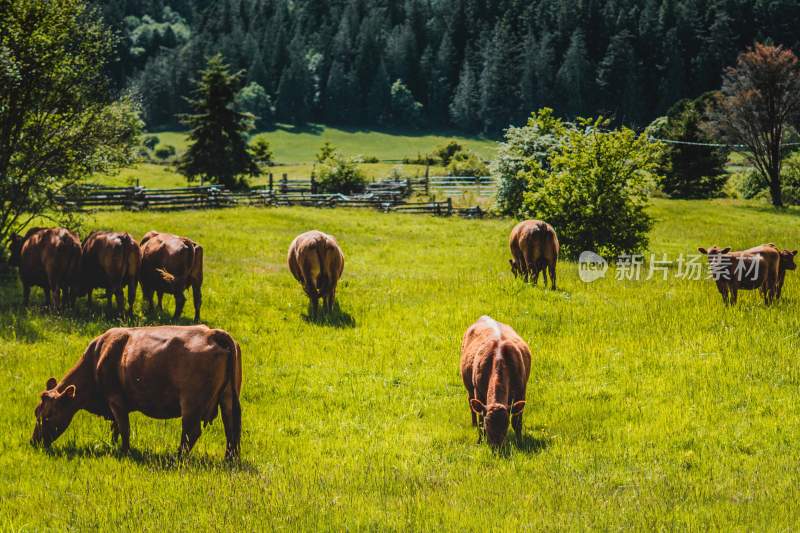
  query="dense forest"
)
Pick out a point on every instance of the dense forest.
point(475, 65)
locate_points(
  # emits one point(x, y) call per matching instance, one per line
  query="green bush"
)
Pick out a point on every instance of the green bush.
point(533, 142)
point(596, 189)
point(325, 152)
point(150, 141)
point(261, 152)
point(338, 174)
point(446, 151)
point(689, 170)
point(467, 164)
point(165, 151)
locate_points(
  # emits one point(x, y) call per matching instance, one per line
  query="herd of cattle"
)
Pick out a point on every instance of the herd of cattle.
point(194, 372)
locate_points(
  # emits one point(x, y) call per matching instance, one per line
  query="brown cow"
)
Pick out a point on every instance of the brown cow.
point(756, 268)
point(171, 264)
point(534, 248)
point(163, 372)
point(495, 366)
point(110, 261)
point(49, 258)
point(786, 263)
point(317, 262)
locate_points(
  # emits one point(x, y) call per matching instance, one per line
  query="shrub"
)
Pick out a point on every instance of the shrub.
point(326, 151)
point(596, 190)
point(150, 142)
point(467, 164)
point(689, 170)
point(446, 152)
point(165, 151)
point(338, 174)
point(405, 109)
point(535, 141)
point(261, 152)
point(254, 99)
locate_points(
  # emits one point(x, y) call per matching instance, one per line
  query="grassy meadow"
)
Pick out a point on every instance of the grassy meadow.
point(650, 405)
point(292, 145)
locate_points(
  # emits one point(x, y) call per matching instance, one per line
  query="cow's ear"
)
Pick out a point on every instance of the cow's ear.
point(517, 407)
point(477, 406)
point(725, 250)
point(703, 251)
point(69, 393)
point(51, 384)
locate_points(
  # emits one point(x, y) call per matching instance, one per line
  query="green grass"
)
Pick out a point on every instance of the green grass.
point(650, 406)
point(292, 145)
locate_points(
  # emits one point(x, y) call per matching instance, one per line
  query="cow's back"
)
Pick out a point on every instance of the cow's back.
point(50, 254)
point(315, 255)
point(169, 252)
point(159, 368)
point(487, 339)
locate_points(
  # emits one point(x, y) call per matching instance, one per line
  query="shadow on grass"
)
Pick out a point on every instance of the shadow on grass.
point(335, 319)
point(33, 322)
point(768, 209)
point(149, 459)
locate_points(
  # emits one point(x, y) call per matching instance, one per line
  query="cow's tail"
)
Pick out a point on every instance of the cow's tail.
point(323, 280)
point(234, 355)
point(166, 277)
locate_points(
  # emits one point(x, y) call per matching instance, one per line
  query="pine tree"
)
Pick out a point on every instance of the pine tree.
point(499, 99)
point(292, 103)
point(218, 150)
point(465, 107)
point(378, 97)
point(575, 77)
point(340, 107)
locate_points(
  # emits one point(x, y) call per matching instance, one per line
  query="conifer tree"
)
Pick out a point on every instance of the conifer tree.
point(218, 150)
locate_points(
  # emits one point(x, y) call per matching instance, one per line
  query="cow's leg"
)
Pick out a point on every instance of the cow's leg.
point(47, 296)
point(734, 294)
point(232, 428)
point(543, 270)
point(180, 301)
point(471, 412)
point(114, 432)
point(56, 297)
point(131, 295)
point(147, 296)
point(197, 299)
point(313, 298)
point(552, 268)
point(190, 433)
point(120, 300)
point(26, 294)
point(109, 300)
point(160, 300)
point(535, 275)
point(89, 298)
point(120, 413)
point(516, 423)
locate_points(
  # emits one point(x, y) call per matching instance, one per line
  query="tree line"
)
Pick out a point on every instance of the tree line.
point(474, 65)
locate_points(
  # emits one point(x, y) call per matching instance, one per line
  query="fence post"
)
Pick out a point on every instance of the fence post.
point(313, 184)
point(427, 183)
point(270, 182)
point(284, 183)
point(449, 206)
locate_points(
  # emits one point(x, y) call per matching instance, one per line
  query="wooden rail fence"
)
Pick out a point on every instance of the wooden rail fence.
point(386, 195)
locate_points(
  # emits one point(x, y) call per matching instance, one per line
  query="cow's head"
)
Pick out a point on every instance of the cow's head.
point(714, 250)
point(787, 259)
point(495, 419)
point(15, 249)
point(514, 268)
point(54, 413)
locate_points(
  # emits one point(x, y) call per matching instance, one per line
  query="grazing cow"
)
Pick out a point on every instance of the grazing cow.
point(49, 258)
point(163, 372)
point(172, 264)
point(786, 263)
point(110, 261)
point(317, 262)
point(534, 248)
point(756, 268)
point(495, 366)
